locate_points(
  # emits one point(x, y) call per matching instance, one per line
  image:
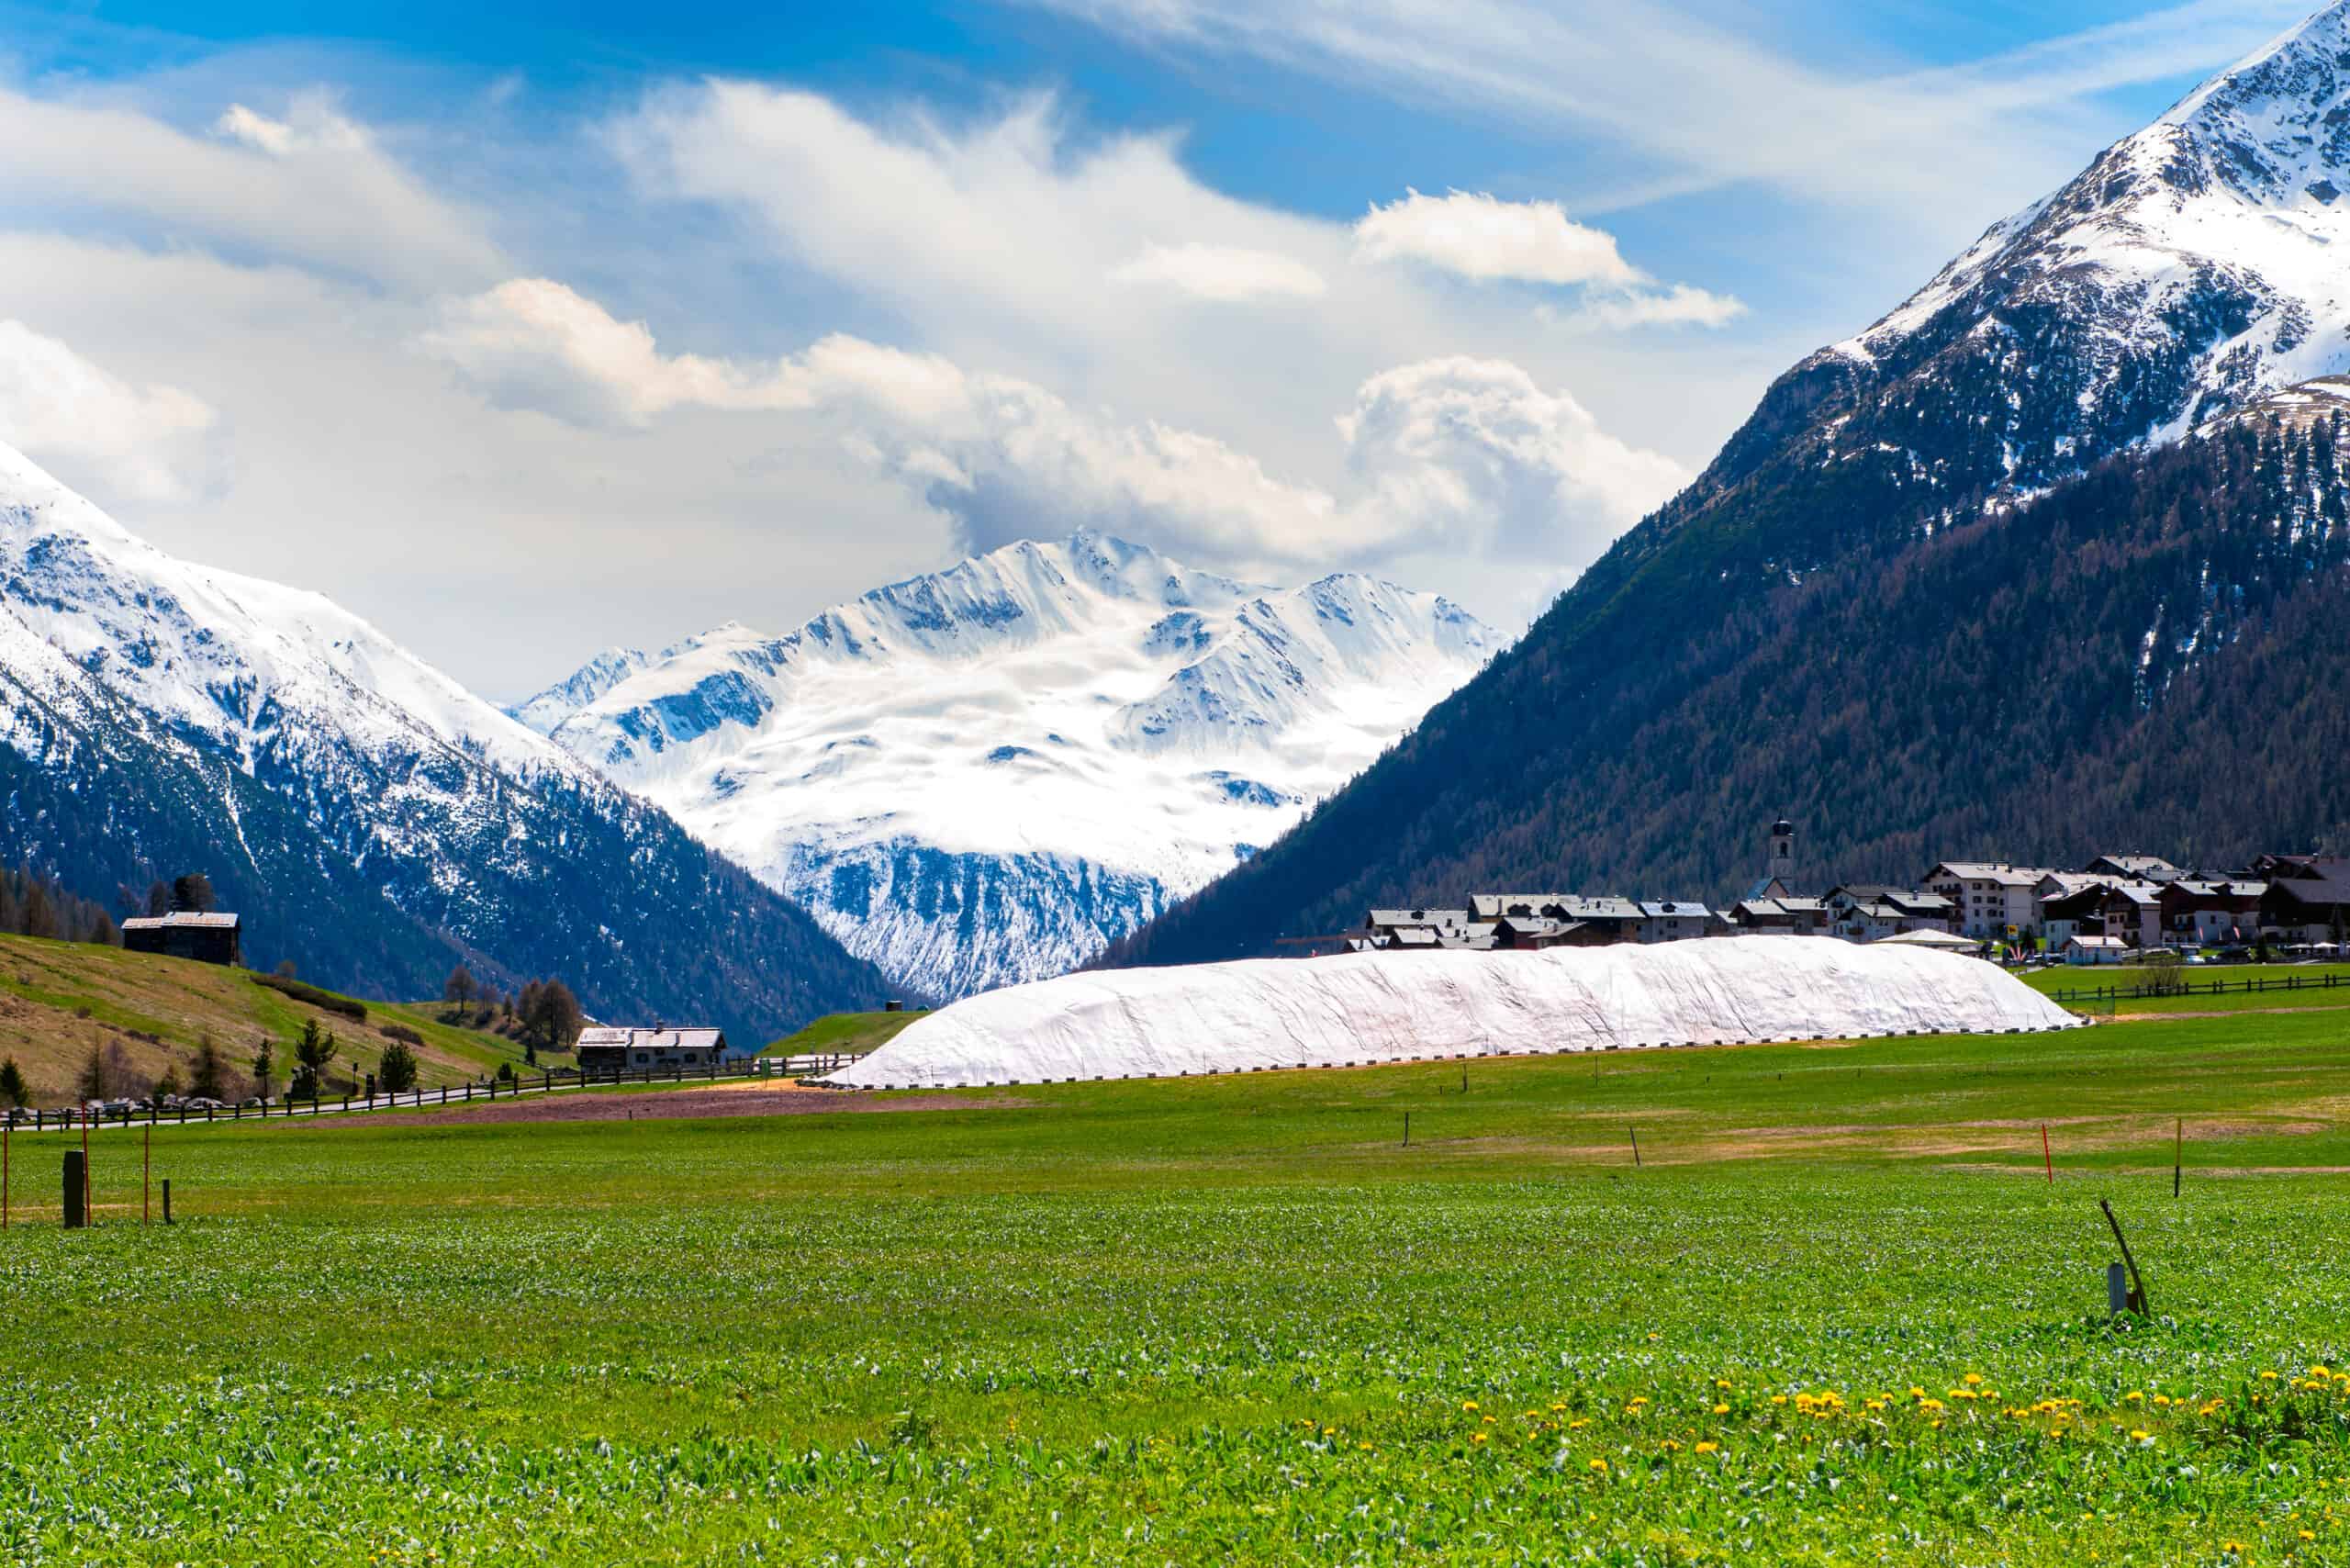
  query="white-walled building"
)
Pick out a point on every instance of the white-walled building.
point(1994, 902)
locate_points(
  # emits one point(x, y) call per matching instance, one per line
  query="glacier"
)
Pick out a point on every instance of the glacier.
point(1367, 1008)
point(982, 776)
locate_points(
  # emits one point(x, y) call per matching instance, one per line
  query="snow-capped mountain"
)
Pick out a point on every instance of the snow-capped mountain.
point(983, 775)
point(369, 816)
point(2191, 267)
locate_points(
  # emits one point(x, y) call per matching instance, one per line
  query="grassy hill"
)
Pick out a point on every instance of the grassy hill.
point(58, 1000)
point(843, 1034)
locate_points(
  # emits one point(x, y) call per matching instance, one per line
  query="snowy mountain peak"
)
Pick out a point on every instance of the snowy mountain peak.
point(984, 773)
point(2192, 267)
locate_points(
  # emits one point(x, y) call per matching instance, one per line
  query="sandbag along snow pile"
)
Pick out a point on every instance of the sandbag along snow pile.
point(1388, 1007)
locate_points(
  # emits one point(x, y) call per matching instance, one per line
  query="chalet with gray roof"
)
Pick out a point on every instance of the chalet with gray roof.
point(603, 1048)
point(211, 937)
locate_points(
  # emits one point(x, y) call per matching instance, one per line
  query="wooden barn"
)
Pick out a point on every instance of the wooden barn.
point(213, 938)
point(603, 1048)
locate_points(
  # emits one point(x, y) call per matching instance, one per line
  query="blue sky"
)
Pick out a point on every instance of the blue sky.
point(653, 317)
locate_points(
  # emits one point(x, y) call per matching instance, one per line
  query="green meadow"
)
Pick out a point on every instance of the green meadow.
point(1836, 1312)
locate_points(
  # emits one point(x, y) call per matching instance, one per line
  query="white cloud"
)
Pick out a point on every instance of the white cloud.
point(312, 125)
point(1225, 274)
point(150, 443)
point(1679, 306)
point(1480, 237)
point(532, 342)
point(1707, 106)
point(1472, 454)
point(312, 188)
point(1459, 453)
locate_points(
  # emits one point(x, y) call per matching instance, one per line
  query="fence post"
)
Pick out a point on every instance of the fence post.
point(77, 1165)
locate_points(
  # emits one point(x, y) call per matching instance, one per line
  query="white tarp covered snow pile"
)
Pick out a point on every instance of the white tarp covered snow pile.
point(1386, 1007)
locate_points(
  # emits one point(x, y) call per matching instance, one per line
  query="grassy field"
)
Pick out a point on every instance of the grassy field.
point(59, 999)
point(1834, 1313)
point(843, 1034)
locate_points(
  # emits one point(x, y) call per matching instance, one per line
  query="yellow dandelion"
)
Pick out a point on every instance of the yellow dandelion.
point(1468, 1405)
point(1599, 1467)
point(1721, 1409)
point(1709, 1448)
point(1973, 1380)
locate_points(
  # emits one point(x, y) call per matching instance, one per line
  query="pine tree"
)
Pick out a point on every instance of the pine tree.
point(264, 1068)
point(12, 1088)
point(312, 1052)
point(159, 899)
point(396, 1069)
point(192, 895)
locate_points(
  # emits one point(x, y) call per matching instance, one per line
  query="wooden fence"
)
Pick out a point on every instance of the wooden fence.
point(2184, 987)
point(480, 1091)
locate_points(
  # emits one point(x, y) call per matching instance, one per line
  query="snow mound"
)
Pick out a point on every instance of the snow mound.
point(1389, 1007)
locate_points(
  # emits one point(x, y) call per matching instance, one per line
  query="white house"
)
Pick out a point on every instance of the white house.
point(1994, 901)
point(2079, 949)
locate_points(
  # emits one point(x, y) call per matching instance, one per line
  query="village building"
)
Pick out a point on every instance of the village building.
point(603, 1049)
point(2080, 949)
point(1859, 912)
point(2070, 903)
point(1677, 920)
point(1788, 915)
point(2307, 897)
point(2133, 869)
point(2133, 913)
point(213, 938)
point(2196, 912)
point(1991, 900)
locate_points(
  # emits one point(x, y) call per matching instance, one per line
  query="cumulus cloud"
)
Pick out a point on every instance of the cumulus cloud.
point(1482, 237)
point(532, 342)
point(1486, 240)
point(140, 444)
point(1472, 453)
point(1225, 274)
point(1456, 453)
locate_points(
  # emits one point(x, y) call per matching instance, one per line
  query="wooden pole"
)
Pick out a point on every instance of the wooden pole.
point(2178, 1154)
point(2138, 1283)
point(1636, 1147)
point(5, 1128)
point(88, 1207)
point(2046, 1156)
point(1408, 1129)
point(146, 1171)
point(167, 1200)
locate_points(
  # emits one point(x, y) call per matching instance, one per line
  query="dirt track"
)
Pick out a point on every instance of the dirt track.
point(744, 1098)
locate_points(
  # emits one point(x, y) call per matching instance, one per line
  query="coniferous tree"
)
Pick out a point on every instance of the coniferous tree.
point(312, 1052)
point(12, 1088)
point(396, 1069)
point(159, 899)
point(264, 1068)
point(192, 895)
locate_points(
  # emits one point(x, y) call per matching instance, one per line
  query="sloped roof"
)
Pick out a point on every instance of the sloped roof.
point(653, 1039)
point(184, 919)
